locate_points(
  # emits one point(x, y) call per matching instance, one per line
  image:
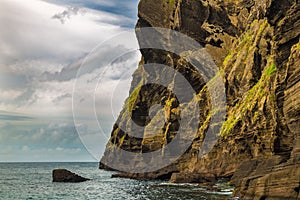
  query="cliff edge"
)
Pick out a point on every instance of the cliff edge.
point(255, 44)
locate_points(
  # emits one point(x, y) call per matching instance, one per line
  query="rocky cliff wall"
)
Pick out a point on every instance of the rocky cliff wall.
point(255, 44)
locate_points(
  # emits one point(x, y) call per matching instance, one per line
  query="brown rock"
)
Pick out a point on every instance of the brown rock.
point(255, 43)
point(63, 175)
point(192, 178)
point(162, 174)
point(268, 181)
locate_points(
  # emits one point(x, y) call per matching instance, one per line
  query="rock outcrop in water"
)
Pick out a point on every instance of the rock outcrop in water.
point(63, 175)
point(255, 44)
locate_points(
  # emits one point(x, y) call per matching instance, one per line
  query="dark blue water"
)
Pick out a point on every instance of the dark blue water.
point(34, 181)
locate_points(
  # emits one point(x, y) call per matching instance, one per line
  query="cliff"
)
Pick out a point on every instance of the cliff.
point(255, 45)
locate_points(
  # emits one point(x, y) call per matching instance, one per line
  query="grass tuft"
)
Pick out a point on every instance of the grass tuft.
point(271, 70)
point(133, 97)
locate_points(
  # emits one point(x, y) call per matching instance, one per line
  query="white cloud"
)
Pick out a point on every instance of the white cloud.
point(59, 149)
point(81, 3)
point(66, 14)
point(25, 148)
point(40, 50)
point(39, 58)
point(32, 33)
point(7, 95)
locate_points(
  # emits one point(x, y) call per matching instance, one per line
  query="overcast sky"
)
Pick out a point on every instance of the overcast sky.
point(45, 48)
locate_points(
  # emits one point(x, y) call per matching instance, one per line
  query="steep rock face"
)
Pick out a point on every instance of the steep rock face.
point(274, 178)
point(255, 44)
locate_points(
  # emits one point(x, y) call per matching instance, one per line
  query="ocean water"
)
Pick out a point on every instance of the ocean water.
point(34, 181)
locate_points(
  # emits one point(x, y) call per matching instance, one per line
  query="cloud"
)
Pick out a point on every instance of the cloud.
point(12, 81)
point(66, 14)
point(25, 148)
point(61, 98)
point(33, 35)
point(8, 116)
point(125, 8)
point(43, 46)
point(14, 118)
point(55, 55)
point(84, 3)
point(39, 141)
point(28, 97)
point(40, 135)
point(105, 56)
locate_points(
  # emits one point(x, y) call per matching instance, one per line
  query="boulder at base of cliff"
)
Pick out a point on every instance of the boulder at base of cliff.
point(192, 178)
point(63, 175)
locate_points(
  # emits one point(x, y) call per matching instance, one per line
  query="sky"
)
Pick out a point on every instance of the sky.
point(57, 58)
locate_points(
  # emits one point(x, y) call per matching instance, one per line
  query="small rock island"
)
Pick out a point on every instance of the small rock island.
point(63, 175)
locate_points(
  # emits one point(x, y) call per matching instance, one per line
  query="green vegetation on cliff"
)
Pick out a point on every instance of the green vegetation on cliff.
point(248, 102)
point(130, 101)
point(261, 78)
point(236, 65)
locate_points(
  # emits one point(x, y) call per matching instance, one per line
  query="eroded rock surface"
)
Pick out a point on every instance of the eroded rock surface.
point(255, 44)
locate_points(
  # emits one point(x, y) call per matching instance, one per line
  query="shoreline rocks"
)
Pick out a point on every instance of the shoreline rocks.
point(268, 180)
point(192, 178)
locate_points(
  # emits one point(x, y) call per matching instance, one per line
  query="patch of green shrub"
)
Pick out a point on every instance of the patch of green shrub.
point(248, 102)
point(270, 70)
point(297, 46)
point(133, 97)
point(121, 141)
point(227, 59)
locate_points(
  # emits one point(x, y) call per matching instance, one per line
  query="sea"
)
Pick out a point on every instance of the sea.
point(34, 181)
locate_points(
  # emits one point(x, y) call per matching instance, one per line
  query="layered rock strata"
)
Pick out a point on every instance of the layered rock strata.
point(255, 44)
